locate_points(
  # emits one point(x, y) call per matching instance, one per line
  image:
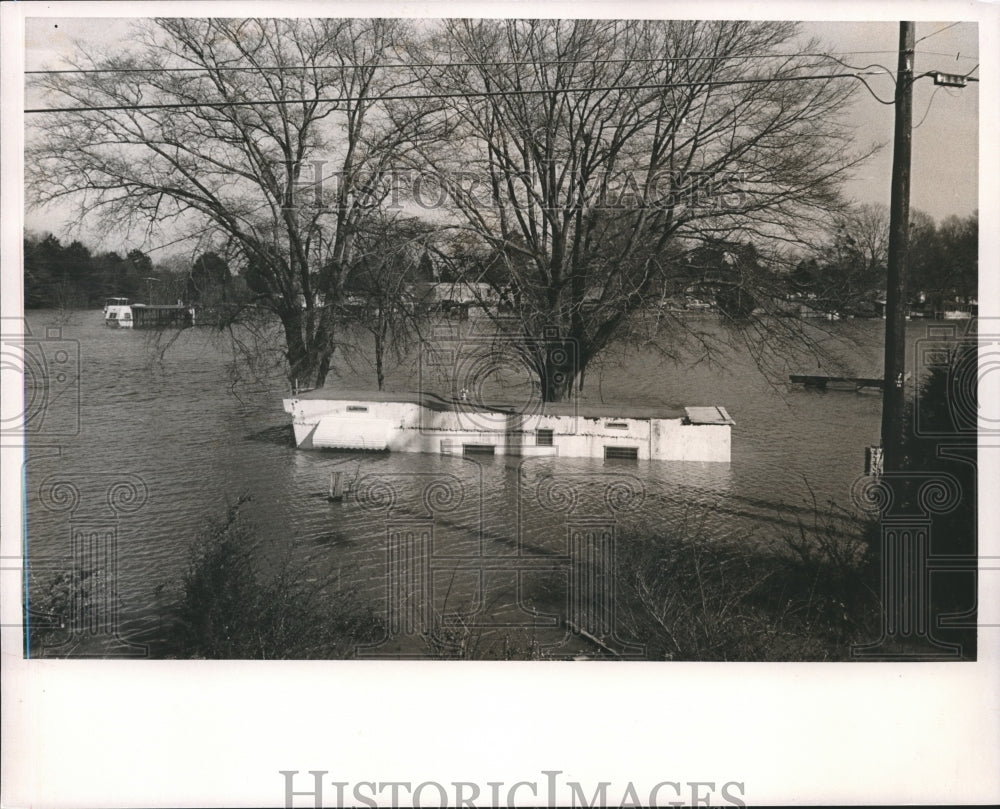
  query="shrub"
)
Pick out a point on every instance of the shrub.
point(945, 441)
point(231, 609)
point(697, 599)
point(47, 607)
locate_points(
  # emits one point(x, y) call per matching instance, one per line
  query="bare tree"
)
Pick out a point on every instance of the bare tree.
point(851, 264)
point(959, 240)
point(868, 227)
point(590, 156)
point(268, 138)
point(384, 297)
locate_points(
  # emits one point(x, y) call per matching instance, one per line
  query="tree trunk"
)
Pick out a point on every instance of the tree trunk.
point(559, 369)
point(307, 365)
point(322, 368)
point(379, 372)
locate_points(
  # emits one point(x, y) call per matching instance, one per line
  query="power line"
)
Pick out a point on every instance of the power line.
point(875, 95)
point(927, 112)
point(511, 63)
point(939, 31)
point(943, 53)
point(442, 96)
point(422, 65)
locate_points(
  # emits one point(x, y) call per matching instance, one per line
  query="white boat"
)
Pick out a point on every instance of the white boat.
point(118, 313)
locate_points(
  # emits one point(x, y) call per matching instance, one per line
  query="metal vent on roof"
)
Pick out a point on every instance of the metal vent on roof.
point(708, 415)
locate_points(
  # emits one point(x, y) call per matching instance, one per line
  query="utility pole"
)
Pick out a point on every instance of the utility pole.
point(893, 387)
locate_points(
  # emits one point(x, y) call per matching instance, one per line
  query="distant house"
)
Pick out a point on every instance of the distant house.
point(448, 294)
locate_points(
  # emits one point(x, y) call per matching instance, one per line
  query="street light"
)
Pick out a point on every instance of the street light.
point(149, 288)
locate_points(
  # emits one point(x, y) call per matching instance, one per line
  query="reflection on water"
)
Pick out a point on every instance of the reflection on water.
point(176, 424)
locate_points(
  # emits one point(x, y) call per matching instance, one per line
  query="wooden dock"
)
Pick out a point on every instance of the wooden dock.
point(822, 381)
point(162, 317)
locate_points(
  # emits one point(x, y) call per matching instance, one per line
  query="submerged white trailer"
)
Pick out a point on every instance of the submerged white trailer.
point(329, 419)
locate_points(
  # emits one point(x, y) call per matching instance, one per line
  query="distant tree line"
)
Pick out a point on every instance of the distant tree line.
point(848, 270)
point(58, 275)
point(944, 259)
point(71, 276)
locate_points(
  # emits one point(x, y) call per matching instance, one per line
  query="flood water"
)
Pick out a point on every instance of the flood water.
point(154, 440)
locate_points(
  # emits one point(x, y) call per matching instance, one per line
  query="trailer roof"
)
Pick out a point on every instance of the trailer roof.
point(582, 408)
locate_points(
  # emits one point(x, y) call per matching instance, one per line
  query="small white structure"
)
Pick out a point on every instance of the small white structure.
point(327, 419)
point(459, 292)
point(118, 313)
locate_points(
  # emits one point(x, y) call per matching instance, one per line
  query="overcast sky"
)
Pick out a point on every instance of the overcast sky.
point(945, 140)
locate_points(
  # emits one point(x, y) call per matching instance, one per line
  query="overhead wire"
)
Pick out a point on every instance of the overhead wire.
point(479, 63)
point(930, 101)
point(939, 31)
point(867, 86)
point(491, 63)
point(943, 53)
point(441, 96)
point(874, 94)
